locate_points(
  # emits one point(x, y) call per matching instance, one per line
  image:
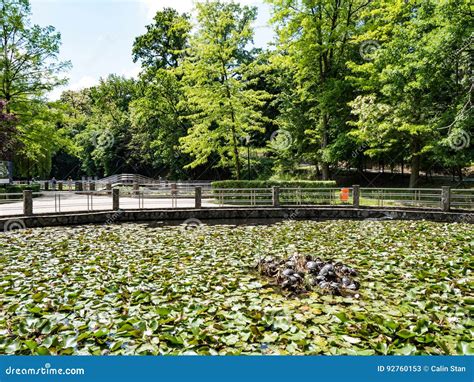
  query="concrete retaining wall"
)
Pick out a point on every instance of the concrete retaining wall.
point(225, 214)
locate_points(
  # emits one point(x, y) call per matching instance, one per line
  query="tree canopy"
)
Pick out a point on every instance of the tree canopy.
point(346, 86)
point(29, 69)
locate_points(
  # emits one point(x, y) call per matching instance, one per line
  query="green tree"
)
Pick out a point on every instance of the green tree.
point(29, 68)
point(42, 136)
point(108, 130)
point(8, 134)
point(223, 106)
point(156, 116)
point(157, 126)
point(410, 83)
point(313, 47)
point(98, 121)
point(165, 41)
point(29, 65)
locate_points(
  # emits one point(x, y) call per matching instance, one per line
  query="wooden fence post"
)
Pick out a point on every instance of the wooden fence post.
point(27, 202)
point(446, 199)
point(276, 196)
point(115, 199)
point(356, 196)
point(198, 197)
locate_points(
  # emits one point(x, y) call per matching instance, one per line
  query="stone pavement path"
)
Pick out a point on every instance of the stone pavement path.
point(71, 202)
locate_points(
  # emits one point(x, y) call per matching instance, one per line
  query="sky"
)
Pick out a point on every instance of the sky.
point(97, 35)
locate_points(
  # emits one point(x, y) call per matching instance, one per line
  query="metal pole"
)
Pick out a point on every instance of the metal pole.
point(174, 195)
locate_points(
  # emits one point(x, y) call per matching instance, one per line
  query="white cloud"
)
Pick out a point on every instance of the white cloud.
point(55, 94)
point(133, 73)
point(84, 82)
point(153, 6)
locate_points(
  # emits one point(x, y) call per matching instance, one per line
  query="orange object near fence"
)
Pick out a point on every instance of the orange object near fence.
point(344, 194)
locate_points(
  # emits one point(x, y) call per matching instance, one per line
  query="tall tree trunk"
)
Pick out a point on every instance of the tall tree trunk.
point(325, 171)
point(415, 171)
point(360, 164)
point(415, 163)
point(324, 144)
point(236, 153)
point(235, 147)
point(460, 175)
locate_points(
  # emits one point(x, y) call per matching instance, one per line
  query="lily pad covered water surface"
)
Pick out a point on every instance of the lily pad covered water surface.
point(132, 289)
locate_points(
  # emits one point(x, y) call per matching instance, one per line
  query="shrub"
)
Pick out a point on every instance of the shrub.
point(274, 183)
point(17, 189)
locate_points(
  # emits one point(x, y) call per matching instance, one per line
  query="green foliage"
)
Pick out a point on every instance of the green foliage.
point(19, 188)
point(29, 65)
point(313, 47)
point(223, 107)
point(42, 135)
point(8, 133)
point(134, 126)
point(29, 68)
point(415, 96)
point(349, 84)
point(157, 126)
point(163, 45)
point(273, 183)
point(98, 120)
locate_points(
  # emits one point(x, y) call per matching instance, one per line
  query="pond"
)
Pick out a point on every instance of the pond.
point(141, 289)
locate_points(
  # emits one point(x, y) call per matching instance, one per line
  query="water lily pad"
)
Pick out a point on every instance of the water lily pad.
point(132, 289)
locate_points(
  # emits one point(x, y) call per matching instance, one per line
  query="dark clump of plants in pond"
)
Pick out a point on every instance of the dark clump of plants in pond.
point(301, 274)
